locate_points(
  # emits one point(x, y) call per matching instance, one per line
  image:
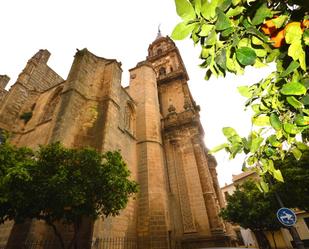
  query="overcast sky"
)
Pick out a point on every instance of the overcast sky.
point(120, 30)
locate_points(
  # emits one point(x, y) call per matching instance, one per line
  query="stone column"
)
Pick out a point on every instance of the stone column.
point(182, 187)
point(209, 193)
point(152, 221)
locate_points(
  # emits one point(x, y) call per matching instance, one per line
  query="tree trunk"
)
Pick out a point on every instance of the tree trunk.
point(56, 232)
point(261, 239)
point(74, 241)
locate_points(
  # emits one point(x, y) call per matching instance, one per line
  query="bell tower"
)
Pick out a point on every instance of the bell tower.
point(194, 196)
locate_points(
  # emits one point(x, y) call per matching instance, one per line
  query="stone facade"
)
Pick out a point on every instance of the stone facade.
point(154, 122)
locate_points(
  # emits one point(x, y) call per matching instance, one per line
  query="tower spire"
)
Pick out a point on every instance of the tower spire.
point(159, 35)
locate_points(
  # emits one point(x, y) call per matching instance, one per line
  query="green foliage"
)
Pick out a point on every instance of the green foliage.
point(14, 176)
point(250, 208)
point(62, 184)
point(294, 192)
point(234, 34)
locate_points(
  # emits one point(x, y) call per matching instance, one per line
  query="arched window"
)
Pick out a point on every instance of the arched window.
point(51, 105)
point(162, 71)
point(159, 51)
point(171, 69)
point(130, 118)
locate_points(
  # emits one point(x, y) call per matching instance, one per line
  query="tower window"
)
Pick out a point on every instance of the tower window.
point(159, 51)
point(162, 71)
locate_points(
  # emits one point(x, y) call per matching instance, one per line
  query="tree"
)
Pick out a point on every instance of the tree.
point(294, 191)
point(250, 208)
point(61, 185)
point(14, 163)
point(234, 34)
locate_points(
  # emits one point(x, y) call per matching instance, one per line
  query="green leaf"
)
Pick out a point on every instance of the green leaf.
point(302, 146)
point(301, 120)
point(205, 30)
point(254, 31)
point(273, 55)
point(305, 100)
point(297, 52)
point(236, 2)
point(235, 12)
point(229, 132)
point(235, 139)
point(260, 52)
point(293, 66)
point(306, 37)
point(291, 128)
point(227, 32)
point(208, 10)
point(274, 141)
point(256, 144)
point(198, 7)
point(256, 108)
point(280, 20)
point(294, 102)
point(212, 38)
point(223, 22)
point(305, 82)
point(277, 175)
point(293, 88)
point(264, 186)
point(296, 152)
point(261, 14)
point(185, 10)
point(261, 121)
point(218, 148)
point(225, 5)
point(244, 91)
point(235, 149)
point(293, 32)
point(245, 56)
point(221, 59)
point(182, 30)
point(256, 41)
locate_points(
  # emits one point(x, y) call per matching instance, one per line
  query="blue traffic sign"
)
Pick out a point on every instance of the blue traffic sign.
point(286, 216)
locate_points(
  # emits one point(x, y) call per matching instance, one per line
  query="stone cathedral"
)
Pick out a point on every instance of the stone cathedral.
point(154, 122)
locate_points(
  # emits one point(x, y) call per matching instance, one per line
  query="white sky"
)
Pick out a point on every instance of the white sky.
point(120, 30)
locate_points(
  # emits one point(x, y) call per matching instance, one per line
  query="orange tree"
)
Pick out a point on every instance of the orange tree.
point(234, 34)
point(62, 185)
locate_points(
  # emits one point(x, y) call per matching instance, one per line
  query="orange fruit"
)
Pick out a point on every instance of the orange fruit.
point(269, 27)
point(278, 39)
point(305, 24)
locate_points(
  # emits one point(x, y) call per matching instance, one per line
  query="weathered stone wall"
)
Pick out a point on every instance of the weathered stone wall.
point(36, 77)
point(3, 93)
point(38, 129)
point(4, 80)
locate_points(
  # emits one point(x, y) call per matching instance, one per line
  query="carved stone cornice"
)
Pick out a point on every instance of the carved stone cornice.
point(175, 120)
point(175, 75)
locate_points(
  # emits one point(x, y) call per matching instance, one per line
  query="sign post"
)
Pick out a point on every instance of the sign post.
point(286, 216)
point(283, 217)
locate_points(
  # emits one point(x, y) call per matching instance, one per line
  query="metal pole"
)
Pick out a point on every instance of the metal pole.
point(298, 242)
